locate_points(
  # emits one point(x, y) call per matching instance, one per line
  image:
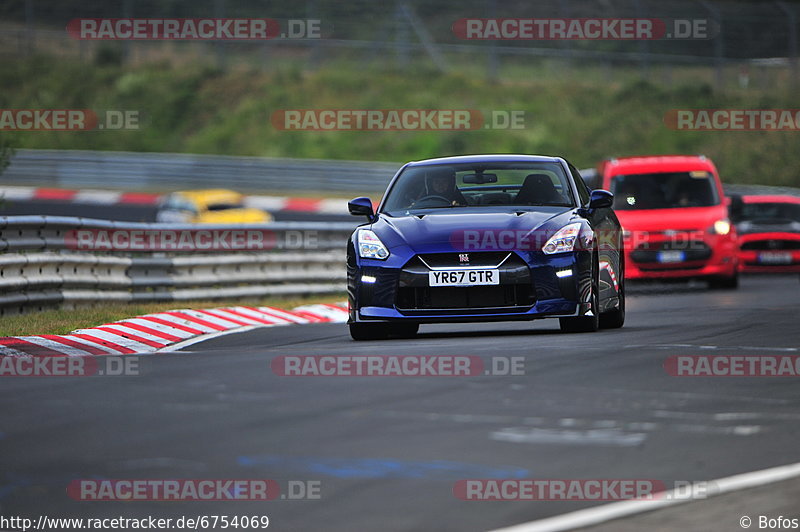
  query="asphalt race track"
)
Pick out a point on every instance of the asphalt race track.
point(388, 450)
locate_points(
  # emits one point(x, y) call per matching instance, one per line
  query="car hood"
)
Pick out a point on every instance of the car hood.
point(438, 232)
point(681, 219)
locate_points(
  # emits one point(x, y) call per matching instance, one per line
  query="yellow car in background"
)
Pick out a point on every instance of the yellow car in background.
point(211, 206)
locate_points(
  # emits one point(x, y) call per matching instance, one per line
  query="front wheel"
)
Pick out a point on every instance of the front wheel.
point(590, 322)
point(615, 319)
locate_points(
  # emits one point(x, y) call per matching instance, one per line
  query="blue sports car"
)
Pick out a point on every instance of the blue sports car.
point(485, 238)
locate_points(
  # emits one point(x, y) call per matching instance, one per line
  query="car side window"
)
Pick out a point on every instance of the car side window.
point(177, 203)
point(580, 184)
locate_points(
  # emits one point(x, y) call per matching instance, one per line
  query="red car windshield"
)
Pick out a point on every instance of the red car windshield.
point(671, 190)
point(770, 213)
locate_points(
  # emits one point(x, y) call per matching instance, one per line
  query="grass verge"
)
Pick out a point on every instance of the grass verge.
point(195, 108)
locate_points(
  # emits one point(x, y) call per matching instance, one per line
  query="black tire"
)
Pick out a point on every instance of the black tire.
point(724, 283)
point(368, 331)
point(615, 319)
point(580, 324)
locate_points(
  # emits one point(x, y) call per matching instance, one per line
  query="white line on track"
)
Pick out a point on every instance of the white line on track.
point(609, 512)
point(605, 437)
point(713, 347)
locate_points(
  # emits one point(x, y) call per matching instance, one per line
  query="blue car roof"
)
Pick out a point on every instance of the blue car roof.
point(488, 158)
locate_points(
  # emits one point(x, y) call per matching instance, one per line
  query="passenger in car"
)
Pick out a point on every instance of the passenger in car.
point(538, 189)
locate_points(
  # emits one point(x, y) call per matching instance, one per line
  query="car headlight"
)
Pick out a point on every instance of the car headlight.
point(720, 227)
point(370, 246)
point(564, 240)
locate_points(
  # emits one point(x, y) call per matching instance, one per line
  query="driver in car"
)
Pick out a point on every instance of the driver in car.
point(441, 183)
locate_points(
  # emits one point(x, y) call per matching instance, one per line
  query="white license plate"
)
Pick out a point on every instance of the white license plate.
point(671, 256)
point(775, 258)
point(463, 277)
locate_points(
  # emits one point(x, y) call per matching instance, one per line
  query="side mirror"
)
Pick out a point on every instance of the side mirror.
point(735, 207)
point(601, 199)
point(361, 207)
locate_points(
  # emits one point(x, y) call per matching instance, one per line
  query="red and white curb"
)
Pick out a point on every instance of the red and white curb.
point(164, 331)
point(110, 197)
point(314, 205)
point(99, 197)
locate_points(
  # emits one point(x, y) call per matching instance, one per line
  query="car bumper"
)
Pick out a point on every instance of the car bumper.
point(530, 287)
point(773, 252)
point(542, 309)
point(769, 262)
point(709, 256)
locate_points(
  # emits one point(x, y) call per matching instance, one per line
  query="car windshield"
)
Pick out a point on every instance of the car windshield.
point(178, 203)
point(518, 185)
point(770, 213)
point(224, 206)
point(671, 190)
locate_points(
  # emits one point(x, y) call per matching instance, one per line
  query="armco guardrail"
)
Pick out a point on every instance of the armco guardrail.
point(141, 171)
point(43, 263)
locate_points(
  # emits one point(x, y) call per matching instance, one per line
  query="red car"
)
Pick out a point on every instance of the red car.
point(769, 229)
point(675, 218)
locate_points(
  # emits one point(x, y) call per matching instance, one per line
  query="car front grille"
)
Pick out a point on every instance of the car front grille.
point(471, 297)
point(483, 259)
point(514, 293)
point(692, 250)
point(771, 245)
